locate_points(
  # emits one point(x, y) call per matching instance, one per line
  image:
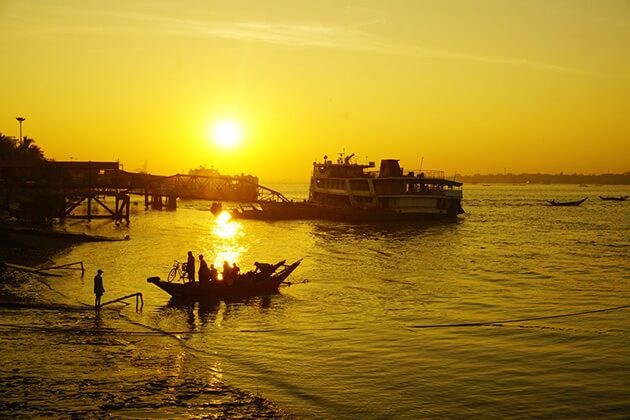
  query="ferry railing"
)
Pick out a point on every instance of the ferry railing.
point(427, 173)
point(416, 173)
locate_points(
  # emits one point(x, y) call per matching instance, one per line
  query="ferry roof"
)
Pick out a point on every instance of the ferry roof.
point(353, 167)
point(434, 181)
point(329, 163)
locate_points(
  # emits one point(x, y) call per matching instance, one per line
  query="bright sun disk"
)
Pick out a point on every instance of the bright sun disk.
point(226, 134)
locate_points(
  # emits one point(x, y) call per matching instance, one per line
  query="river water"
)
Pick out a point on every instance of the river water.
point(346, 344)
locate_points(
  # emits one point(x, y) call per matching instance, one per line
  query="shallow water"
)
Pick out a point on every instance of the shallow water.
point(343, 345)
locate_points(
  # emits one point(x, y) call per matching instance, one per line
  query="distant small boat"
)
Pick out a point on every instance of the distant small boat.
point(216, 208)
point(620, 198)
point(567, 203)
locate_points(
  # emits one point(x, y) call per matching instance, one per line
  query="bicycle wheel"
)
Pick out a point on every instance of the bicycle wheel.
point(172, 274)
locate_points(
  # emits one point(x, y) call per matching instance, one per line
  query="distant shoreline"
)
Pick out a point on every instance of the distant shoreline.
point(525, 178)
point(577, 179)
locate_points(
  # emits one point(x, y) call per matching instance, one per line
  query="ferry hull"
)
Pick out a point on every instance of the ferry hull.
point(306, 211)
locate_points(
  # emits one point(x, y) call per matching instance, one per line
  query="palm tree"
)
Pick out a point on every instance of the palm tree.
point(8, 146)
point(10, 150)
point(29, 150)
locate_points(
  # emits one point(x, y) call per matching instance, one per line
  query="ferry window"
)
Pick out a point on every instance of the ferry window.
point(359, 185)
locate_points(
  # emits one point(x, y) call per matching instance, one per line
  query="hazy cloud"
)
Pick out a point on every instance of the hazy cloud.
point(276, 33)
point(341, 37)
point(350, 37)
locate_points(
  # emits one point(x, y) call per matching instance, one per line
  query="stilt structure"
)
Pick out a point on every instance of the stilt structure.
point(79, 190)
point(93, 201)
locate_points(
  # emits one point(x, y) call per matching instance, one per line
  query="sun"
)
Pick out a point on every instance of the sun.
point(226, 134)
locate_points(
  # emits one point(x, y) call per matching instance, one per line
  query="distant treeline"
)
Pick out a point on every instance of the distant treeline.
point(561, 178)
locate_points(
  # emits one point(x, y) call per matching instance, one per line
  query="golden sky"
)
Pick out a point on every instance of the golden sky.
point(471, 86)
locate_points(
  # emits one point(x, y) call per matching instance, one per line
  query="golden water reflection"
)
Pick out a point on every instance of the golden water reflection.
point(227, 235)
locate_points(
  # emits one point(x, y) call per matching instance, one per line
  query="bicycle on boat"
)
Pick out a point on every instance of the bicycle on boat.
point(178, 271)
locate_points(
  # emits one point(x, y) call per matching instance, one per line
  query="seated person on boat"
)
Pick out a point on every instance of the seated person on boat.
point(227, 273)
point(214, 274)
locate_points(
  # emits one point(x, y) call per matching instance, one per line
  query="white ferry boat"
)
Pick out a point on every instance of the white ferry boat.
point(387, 193)
point(348, 191)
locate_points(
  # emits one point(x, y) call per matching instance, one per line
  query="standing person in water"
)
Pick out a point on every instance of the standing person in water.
point(98, 288)
point(190, 267)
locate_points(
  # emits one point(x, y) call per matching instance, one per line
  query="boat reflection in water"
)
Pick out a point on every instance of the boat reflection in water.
point(200, 315)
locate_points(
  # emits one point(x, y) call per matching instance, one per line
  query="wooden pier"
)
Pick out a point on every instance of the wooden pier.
point(85, 190)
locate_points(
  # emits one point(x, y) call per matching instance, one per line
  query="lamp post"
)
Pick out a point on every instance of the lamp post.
point(20, 120)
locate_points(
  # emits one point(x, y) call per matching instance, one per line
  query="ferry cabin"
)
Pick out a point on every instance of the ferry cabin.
point(350, 185)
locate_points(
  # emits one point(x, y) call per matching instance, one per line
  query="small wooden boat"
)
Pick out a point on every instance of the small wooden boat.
point(264, 280)
point(620, 198)
point(567, 203)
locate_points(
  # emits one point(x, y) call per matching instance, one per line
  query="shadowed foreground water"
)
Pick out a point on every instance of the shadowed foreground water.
point(78, 362)
point(342, 345)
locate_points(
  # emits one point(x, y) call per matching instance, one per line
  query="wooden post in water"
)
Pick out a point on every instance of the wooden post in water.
point(171, 202)
point(138, 296)
point(62, 207)
point(126, 204)
point(157, 202)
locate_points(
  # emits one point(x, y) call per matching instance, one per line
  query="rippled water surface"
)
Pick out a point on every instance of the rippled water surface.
point(346, 344)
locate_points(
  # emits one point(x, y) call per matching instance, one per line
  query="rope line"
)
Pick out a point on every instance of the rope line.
point(508, 321)
point(176, 334)
point(153, 330)
point(47, 306)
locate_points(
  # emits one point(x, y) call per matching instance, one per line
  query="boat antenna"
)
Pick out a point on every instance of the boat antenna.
point(421, 163)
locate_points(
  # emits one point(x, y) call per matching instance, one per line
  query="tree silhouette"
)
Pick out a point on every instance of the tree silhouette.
point(30, 150)
point(8, 146)
point(13, 151)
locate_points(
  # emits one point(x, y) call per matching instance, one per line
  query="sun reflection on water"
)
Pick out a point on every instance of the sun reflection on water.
point(223, 226)
point(226, 234)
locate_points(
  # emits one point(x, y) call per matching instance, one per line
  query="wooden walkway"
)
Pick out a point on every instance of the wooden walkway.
point(79, 190)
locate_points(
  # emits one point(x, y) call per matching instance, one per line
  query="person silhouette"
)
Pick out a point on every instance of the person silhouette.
point(98, 288)
point(227, 271)
point(204, 272)
point(214, 274)
point(190, 267)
